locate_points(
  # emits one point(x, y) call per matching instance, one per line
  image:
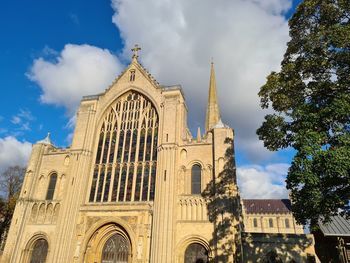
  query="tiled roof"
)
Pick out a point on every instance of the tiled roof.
point(339, 226)
point(267, 206)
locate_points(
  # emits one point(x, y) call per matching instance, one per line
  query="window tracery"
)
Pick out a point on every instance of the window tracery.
point(116, 249)
point(126, 156)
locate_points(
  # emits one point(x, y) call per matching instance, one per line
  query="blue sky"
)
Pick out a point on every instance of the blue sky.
point(176, 38)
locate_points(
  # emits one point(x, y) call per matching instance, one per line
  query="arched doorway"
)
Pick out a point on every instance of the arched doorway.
point(196, 253)
point(109, 243)
point(116, 250)
point(39, 251)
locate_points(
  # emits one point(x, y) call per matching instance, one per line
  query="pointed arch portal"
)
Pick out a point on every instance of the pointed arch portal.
point(109, 243)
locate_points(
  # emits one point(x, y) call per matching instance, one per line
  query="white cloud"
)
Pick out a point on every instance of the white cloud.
point(247, 39)
point(23, 119)
point(13, 152)
point(263, 181)
point(77, 71)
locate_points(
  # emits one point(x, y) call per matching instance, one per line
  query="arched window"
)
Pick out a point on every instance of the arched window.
point(116, 249)
point(126, 154)
point(286, 221)
point(270, 222)
point(196, 253)
point(52, 185)
point(196, 179)
point(255, 222)
point(39, 252)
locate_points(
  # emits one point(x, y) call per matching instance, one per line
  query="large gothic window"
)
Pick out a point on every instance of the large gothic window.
point(126, 156)
point(39, 252)
point(196, 253)
point(116, 250)
point(196, 179)
point(52, 186)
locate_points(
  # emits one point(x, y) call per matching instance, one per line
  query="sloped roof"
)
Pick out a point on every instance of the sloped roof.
point(339, 226)
point(267, 206)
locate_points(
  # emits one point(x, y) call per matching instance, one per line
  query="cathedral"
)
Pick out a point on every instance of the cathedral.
point(131, 188)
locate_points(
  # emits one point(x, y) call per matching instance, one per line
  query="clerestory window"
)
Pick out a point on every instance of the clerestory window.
point(255, 222)
point(287, 223)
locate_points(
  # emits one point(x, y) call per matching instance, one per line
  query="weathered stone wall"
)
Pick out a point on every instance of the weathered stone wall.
point(259, 247)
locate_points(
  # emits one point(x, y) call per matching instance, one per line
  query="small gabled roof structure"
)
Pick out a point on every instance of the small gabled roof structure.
point(338, 226)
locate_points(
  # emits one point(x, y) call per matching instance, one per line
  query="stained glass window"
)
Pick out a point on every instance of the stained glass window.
point(126, 154)
point(39, 252)
point(116, 250)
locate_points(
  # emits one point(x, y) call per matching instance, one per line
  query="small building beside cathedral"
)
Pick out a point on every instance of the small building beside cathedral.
point(130, 188)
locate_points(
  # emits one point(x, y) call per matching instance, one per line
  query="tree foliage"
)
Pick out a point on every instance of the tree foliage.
point(310, 97)
point(10, 187)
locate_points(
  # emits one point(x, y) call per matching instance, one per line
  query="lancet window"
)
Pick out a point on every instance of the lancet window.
point(52, 185)
point(196, 179)
point(126, 156)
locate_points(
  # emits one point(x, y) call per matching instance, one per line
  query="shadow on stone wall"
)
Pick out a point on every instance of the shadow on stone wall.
point(230, 243)
point(224, 210)
point(265, 248)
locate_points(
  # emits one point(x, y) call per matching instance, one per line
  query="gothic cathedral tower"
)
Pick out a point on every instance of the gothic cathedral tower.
point(130, 187)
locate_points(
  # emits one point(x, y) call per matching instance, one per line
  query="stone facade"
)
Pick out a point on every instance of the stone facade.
point(273, 216)
point(128, 188)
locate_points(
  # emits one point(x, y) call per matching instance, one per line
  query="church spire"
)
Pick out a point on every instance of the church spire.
point(213, 113)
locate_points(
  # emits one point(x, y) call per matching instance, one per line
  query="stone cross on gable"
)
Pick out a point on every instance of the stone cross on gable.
point(135, 50)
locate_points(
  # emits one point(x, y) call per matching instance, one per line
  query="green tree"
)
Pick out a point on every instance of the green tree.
point(10, 187)
point(310, 97)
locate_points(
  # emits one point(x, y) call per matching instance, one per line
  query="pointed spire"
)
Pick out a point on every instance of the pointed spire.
point(213, 112)
point(199, 136)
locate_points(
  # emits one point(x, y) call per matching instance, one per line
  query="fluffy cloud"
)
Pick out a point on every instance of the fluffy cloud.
point(13, 152)
point(77, 71)
point(263, 181)
point(246, 38)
